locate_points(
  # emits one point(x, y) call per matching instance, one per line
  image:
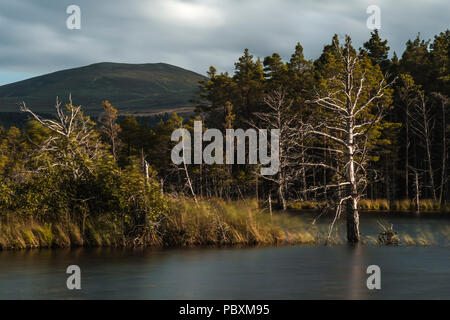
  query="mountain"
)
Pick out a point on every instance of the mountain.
point(131, 88)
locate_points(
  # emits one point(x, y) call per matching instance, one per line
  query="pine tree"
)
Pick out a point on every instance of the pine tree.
point(440, 61)
point(275, 72)
point(377, 50)
point(416, 61)
point(300, 78)
point(249, 79)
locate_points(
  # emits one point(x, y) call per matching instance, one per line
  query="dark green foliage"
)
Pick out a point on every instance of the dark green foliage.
point(377, 50)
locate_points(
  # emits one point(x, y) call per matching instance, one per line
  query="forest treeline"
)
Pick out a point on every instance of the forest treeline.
point(354, 124)
point(408, 147)
point(412, 136)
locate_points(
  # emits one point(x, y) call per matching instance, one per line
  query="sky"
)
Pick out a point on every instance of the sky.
point(195, 34)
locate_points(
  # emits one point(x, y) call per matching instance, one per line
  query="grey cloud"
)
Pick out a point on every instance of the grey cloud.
point(198, 33)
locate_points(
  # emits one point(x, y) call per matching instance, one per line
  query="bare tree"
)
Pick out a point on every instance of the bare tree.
point(353, 107)
point(109, 126)
point(417, 175)
point(73, 140)
point(185, 168)
point(444, 102)
point(422, 123)
point(407, 93)
point(279, 116)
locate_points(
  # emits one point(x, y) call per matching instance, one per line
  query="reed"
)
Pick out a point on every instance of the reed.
point(187, 224)
point(426, 205)
point(217, 222)
point(184, 224)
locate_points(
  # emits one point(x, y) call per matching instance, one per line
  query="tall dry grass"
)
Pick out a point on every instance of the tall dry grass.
point(27, 233)
point(426, 205)
point(217, 222)
point(186, 224)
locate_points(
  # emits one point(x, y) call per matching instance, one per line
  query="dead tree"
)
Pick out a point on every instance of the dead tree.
point(110, 128)
point(186, 146)
point(279, 116)
point(73, 142)
point(422, 124)
point(408, 97)
point(417, 177)
point(353, 105)
point(444, 102)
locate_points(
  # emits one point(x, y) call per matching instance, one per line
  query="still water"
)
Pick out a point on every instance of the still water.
point(289, 272)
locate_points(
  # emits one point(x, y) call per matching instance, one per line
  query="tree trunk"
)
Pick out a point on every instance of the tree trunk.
point(270, 205)
point(353, 235)
point(146, 165)
point(416, 175)
point(430, 169)
point(256, 188)
point(281, 199)
point(444, 153)
point(427, 135)
point(406, 154)
point(189, 182)
point(305, 196)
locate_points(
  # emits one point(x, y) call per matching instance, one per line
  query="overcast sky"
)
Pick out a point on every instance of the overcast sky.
point(194, 34)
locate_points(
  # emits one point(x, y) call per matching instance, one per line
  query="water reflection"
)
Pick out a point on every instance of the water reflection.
point(357, 272)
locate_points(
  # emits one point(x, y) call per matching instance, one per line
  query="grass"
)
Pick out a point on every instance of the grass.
point(186, 224)
point(426, 205)
point(216, 222)
point(380, 204)
point(23, 233)
point(304, 205)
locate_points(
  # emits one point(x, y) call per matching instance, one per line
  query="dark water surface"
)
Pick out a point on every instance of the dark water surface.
point(290, 272)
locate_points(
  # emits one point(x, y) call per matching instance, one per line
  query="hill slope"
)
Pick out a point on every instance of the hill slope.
point(132, 88)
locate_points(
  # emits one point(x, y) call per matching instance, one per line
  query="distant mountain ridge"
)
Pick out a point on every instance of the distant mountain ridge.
point(132, 88)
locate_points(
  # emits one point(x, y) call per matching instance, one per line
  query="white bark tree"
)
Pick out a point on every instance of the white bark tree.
point(444, 100)
point(279, 116)
point(422, 124)
point(350, 105)
point(74, 143)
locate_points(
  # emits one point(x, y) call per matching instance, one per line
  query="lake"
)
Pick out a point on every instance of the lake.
point(285, 272)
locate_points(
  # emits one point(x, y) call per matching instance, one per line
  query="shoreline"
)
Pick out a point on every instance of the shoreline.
point(381, 205)
point(212, 223)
